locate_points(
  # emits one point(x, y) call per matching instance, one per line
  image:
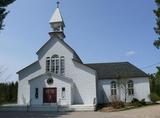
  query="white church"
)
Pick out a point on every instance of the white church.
point(60, 78)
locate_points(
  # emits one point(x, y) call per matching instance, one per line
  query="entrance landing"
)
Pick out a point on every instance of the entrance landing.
point(54, 108)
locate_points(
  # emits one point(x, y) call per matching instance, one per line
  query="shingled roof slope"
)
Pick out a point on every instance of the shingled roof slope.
point(116, 70)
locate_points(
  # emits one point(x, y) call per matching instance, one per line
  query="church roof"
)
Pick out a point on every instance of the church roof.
point(116, 70)
point(75, 55)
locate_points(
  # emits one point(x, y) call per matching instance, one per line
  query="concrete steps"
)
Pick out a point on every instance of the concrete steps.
point(49, 108)
point(43, 108)
point(82, 107)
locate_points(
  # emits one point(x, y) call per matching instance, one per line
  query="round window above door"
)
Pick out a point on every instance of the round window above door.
point(50, 81)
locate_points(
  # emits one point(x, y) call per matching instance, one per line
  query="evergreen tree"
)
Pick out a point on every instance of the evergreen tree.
point(8, 92)
point(155, 82)
point(157, 28)
point(3, 12)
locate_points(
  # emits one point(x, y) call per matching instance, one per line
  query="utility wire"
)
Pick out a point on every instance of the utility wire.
point(155, 64)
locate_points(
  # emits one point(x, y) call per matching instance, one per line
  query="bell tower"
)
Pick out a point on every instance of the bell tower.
point(57, 24)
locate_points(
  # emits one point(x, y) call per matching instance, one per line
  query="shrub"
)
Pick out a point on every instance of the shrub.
point(134, 100)
point(138, 103)
point(143, 102)
point(117, 104)
point(154, 97)
point(100, 106)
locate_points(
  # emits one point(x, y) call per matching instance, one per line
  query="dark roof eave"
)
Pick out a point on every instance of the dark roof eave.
point(131, 77)
point(26, 67)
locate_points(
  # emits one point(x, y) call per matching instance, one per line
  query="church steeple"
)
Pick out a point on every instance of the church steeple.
point(57, 23)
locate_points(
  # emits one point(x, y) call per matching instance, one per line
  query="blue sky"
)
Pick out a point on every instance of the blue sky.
point(98, 30)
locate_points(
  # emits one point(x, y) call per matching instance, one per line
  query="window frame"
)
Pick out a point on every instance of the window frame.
point(36, 93)
point(63, 93)
point(55, 64)
point(130, 85)
point(113, 88)
point(62, 65)
point(48, 64)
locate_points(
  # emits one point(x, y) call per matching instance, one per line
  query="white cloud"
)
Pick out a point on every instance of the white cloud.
point(130, 53)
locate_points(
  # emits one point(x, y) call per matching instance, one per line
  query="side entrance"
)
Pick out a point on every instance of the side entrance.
point(49, 95)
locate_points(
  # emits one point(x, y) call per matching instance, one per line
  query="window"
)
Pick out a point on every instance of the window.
point(63, 93)
point(113, 88)
point(47, 64)
point(55, 64)
point(130, 87)
point(50, 81)
point(58, 28)
point(36, 93)
point(62, 65)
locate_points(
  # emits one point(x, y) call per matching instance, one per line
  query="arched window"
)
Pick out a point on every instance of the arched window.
point(47, 64)
point(55, 64)
point(113, 88)
point(62, 63)
point(130, 87)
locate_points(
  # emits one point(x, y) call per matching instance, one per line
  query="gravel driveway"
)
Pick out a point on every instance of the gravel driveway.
point(146, 112)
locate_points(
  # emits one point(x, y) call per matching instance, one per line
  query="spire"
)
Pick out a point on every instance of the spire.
point(57, 24)
point(56, 20)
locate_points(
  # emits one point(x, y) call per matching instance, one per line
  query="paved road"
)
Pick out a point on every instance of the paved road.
point(146, 112)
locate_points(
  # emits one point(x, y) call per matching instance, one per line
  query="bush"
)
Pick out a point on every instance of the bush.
point(138, 103)
point(117, 104)
point(134, 100)
point(154, 97)
point(100, 106)
point(143, 102)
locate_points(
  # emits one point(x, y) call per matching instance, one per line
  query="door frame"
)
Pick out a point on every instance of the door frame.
point(44, 95)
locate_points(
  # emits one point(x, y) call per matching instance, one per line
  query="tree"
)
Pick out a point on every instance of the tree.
point(3, 12)
point(155, 82)
point(152, 80)
point(157, 75)
point(157, 28)
point(4, 76)
point(8, 92)
point(123, 85)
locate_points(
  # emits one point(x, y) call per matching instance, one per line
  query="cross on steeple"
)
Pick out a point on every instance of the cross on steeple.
point(58, 4)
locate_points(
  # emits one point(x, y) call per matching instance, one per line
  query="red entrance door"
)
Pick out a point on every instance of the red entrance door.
point(49, 95)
